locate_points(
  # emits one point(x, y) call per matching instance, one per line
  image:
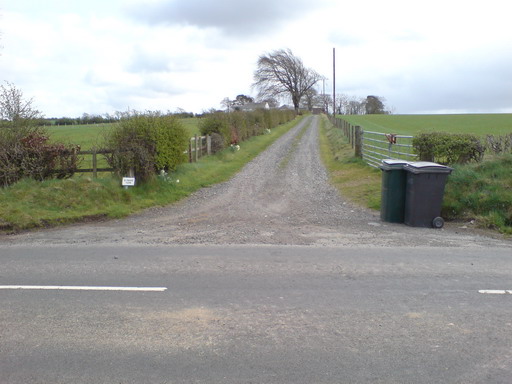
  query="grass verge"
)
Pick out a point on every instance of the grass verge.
point(31, 204)
point(480, 192)
point(354, 179)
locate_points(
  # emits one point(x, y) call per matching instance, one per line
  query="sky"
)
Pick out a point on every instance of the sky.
point(102, 56)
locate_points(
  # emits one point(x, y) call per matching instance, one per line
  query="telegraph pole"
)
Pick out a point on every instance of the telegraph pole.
point(334, 82)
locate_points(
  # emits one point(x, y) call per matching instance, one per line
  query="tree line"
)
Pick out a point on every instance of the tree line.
point(101, 119)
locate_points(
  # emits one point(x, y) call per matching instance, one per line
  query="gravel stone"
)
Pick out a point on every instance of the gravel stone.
point(282, 197)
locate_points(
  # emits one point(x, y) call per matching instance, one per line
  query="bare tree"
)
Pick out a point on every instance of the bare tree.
point(227, 104)
point(13, 107)
point(342, 101)
point(310, 99)
point(281, 73)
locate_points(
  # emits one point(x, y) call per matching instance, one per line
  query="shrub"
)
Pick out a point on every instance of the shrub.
point(217, 142)
point(171, 143)
point(447, 148)
point(146, 143)
point(32, 156)
point(216, 123)
point(239, 126)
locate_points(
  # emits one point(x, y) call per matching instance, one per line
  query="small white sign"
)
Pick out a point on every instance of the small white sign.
point(128, 181)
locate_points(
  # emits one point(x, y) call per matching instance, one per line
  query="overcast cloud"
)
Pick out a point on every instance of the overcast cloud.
point(235, 18)
point(96, 56)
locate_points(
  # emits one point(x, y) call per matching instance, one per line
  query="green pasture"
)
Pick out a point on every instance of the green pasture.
point(87, 136)
point(192, 124)
point(477, 124)
point(91, 135)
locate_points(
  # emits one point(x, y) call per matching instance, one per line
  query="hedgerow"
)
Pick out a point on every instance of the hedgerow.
point(146, 143)
point(27, 152)
point(238, 126)
point(448, 148)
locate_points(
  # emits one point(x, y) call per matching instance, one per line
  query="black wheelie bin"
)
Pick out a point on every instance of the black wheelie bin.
point(424, 194)
point(394, 179)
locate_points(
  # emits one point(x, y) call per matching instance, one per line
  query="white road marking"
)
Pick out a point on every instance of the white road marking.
point(83, 288)
point(495, 292)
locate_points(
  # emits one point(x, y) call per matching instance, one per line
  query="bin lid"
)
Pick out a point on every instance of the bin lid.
point(427, 167)
point(393, 164)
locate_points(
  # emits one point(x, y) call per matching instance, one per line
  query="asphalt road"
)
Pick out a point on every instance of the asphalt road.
point(256, 314)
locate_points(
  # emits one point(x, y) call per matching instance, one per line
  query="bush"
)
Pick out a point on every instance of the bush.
point(448, 148)
point(32, 156)
point(217, 142)
point(146, 143)
point(216, 122)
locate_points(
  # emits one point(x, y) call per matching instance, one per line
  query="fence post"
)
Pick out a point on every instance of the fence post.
point(196, 149)
point(94, 164)
point(208, 145)
point(358, 141)
point(190, 150)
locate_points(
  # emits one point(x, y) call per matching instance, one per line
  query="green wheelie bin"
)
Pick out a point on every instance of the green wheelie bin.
point(424, 194)
point(394, 180)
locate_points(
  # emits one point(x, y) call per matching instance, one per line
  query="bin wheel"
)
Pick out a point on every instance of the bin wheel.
point(438, 222)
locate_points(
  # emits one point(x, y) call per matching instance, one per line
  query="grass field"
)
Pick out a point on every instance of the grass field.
point(478, 124)
point(89, 136)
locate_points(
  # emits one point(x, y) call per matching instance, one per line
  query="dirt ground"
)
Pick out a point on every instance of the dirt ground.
point(282, 197)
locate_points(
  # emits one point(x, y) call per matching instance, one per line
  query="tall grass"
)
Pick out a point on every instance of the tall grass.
point(482, 192)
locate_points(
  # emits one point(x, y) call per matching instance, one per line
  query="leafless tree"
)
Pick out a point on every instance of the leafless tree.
point(310, 99)
point(227, 104)
point(13, 107)
point(281, 73)
point(341, 104)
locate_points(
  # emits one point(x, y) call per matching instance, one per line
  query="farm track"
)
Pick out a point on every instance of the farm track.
point(281, 198)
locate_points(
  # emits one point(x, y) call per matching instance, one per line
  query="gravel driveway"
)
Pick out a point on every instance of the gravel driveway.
point(282, 197)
